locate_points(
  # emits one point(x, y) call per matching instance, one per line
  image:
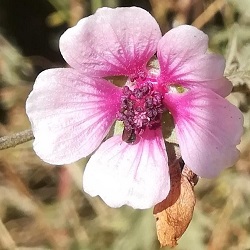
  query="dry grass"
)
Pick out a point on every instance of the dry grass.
point(44, 207)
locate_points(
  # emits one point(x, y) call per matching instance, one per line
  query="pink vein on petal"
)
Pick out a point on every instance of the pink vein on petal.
point(208, 130)
point(136, 174)
point(71, 126)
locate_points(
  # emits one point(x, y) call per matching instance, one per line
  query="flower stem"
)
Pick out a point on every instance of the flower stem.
point(10, 141)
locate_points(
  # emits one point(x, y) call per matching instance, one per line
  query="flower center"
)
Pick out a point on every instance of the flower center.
point(141, 108)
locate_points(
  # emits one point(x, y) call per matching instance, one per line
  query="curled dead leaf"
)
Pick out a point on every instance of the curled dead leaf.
point(174, 214)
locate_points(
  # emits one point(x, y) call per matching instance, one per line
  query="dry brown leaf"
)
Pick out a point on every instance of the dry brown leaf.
point(174, 214)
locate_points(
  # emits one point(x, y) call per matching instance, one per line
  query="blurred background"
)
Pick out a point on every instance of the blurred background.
point(43, 206)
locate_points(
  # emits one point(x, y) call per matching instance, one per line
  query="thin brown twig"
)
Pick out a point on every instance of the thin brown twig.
point(208, 13)
point(32, 205)
point(10, 141)
point(6, 240)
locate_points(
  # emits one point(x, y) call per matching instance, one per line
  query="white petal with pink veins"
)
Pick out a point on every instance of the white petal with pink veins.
point(111, 42)
point(70, 114)
point(183, 60)
point(122, 173)
point(208, 130)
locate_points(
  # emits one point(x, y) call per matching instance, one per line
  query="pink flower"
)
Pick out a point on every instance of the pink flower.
point(73, 109)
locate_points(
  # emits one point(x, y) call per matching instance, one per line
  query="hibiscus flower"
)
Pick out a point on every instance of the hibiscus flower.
point(73, 109)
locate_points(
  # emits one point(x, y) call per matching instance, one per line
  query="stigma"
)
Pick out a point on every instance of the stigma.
point(141, 108)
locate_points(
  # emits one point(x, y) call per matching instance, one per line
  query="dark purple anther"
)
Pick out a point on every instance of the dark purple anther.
point(129, 136)
point(149, 102)
point(141, 108)
point(126, 91)
point(138, 93)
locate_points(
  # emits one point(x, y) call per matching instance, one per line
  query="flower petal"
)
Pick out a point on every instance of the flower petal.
point(111, 42)
point(183, 60)
point(122, 173)
point(208, 130)
point(70, 114)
